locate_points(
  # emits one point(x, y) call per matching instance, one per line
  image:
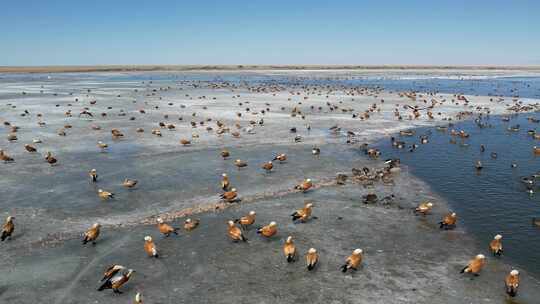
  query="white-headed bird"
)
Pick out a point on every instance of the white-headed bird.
point(230, 196)
point(304, 213)
point(289, 249)
point(240, 163)
point(268, 166)
point(424, 208)
point(281, 157)
point(102, 146)
point(138, 298)
point(93, 175)
point(225, 183)
point(150, 247)
point(495, 246)
point(512, 283)
point(353, 261)
point(91, 234)
point(268, 230)
point(165, 228)
point(304, 186)
point(234, 232)
point(246, 221)
point(449, 221)
point(111, 271)
point(105, 195)
point(475, 265)
point(117, 281)
point(478, 165)
point(312, 258)
point(190, 224)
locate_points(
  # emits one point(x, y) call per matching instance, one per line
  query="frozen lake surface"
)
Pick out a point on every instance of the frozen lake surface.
point(407, 258)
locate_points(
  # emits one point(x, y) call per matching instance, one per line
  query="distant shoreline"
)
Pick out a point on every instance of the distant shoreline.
point(240, 67)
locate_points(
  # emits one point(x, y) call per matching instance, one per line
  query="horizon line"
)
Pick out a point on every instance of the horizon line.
point(232, 67)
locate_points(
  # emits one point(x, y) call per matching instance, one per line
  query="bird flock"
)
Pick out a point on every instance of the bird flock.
point(115, 276)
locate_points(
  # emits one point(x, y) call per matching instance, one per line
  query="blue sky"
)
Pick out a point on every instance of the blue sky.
point(49, 32)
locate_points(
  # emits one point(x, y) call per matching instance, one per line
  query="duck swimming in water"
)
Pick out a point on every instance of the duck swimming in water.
point(413, 147)
point(406, 133)
point(478, 165)
point(514, 128)
point(449, 221)
point(528, 181)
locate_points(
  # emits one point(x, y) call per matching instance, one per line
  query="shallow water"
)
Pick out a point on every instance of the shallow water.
point(490, 201)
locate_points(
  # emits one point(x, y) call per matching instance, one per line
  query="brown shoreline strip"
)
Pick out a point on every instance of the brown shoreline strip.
point(241, 67)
